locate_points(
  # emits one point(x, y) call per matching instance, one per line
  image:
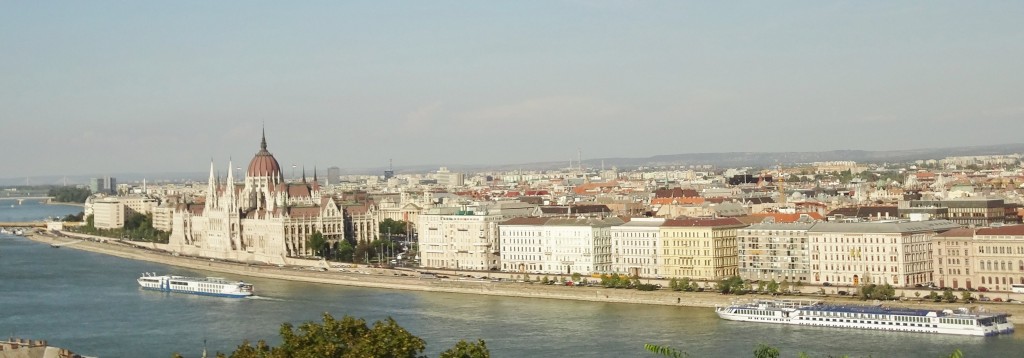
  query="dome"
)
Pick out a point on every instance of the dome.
point(264, 164)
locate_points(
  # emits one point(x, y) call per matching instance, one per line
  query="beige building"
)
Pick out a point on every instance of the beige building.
point(635, 247)
point(163, 218)
point(989, 259)
point(108, 213)
point(702, 249)
point(467, 237)
point(896, 253)
point(775, 251)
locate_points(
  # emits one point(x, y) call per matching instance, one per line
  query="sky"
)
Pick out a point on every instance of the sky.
point(93, 87)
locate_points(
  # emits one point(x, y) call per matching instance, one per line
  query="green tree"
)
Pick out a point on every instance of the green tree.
point(766, 351)
point(464, 349)
point(773, 287)
point(316, 242)
point(576, 277)
point(344, 251)
point(733, 284)
point(948, 296)
point(66, 194)
point(674, 284)
point(966, 297)
point(392, 227)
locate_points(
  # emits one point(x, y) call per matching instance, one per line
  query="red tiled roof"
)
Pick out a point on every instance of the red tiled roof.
point(788, 218)
point(304, 212)
point(1014, 230)
point(957, 233)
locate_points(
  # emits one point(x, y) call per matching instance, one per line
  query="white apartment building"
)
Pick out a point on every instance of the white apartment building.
point(895, 253)
point(466, 238)
point(163, 218)
point(108, 213)
point(635, 247)
point(557, 245)
point(774, 251)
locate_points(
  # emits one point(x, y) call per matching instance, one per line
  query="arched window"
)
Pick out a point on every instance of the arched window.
point(1020, 265)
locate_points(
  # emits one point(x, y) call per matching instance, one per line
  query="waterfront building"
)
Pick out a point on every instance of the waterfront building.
point(895, 252)
point(635, 247)
point(466, 237)
point(108, 213)
point(702, 249)
point(774, 251)
point(545, 245)
point(262, 219)
point(989, 259)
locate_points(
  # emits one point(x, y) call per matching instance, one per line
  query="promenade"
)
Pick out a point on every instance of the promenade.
point(362, 276)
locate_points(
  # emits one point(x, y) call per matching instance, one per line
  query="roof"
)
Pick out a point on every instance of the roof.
point(643, 222)
point(676, 193)
point(788, 218)
point(780, 226)
point(703, 222)
point(887, 227)
point(1012, 230)
point(263, 164)
point(958, 232)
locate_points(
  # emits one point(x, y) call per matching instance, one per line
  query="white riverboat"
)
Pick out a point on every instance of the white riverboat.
point(878, 317)
point(208, 286)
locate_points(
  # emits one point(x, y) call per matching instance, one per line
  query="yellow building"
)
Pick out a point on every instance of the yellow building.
point(701, 249)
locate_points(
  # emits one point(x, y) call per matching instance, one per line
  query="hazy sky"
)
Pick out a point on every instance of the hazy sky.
point(92, 87)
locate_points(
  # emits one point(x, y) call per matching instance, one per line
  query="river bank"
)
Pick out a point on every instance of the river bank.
point(411, 280)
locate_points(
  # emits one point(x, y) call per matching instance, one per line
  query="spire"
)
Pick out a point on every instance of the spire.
point(303, 173)
point(314, 173)
point(263, 140)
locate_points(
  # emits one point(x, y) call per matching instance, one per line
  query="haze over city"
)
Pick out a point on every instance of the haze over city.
point(94, 87)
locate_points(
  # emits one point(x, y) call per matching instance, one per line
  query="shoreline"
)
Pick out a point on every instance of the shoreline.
point(409, 280)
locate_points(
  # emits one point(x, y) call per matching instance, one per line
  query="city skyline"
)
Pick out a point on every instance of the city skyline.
point(99, 87)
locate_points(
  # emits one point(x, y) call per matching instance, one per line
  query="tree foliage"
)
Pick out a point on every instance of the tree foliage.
point(350, 337)
point(465, 349)
point(876, 292)
point(67, 194)
point(393, 227)
point(316, 242)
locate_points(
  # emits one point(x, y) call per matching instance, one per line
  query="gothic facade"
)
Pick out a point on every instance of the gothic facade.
point(262, 219)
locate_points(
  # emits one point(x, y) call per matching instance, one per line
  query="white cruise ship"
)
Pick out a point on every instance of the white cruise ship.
point(815, 313)
point(209, 286)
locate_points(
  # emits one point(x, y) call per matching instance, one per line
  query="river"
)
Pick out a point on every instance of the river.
point(90, 303)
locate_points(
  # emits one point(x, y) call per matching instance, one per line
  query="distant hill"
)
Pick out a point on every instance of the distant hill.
point(762, 159)
point(720, 160)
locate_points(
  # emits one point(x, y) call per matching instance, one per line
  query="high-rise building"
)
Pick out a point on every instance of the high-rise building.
point(333, 175)
point(104, 185)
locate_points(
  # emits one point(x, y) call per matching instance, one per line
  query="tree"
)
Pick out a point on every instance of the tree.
point(576, 277)
point(948, 296)
point(966, 297)
point(468, 350)
point(316, 242)
point(348, 337)
point(773, 287)
point(732, 284)
point(766, 351)
point(674, 284)
point(392, 227)
point(932, 295)
point(344, 251)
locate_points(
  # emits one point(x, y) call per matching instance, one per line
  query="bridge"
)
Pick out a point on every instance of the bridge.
point(21, 199)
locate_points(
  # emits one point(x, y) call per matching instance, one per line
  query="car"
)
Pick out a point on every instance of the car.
point(982, 289)
point(841, 293)
point(997, 299)
point(984, 299)
point(826, 284)
point(919, 285)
